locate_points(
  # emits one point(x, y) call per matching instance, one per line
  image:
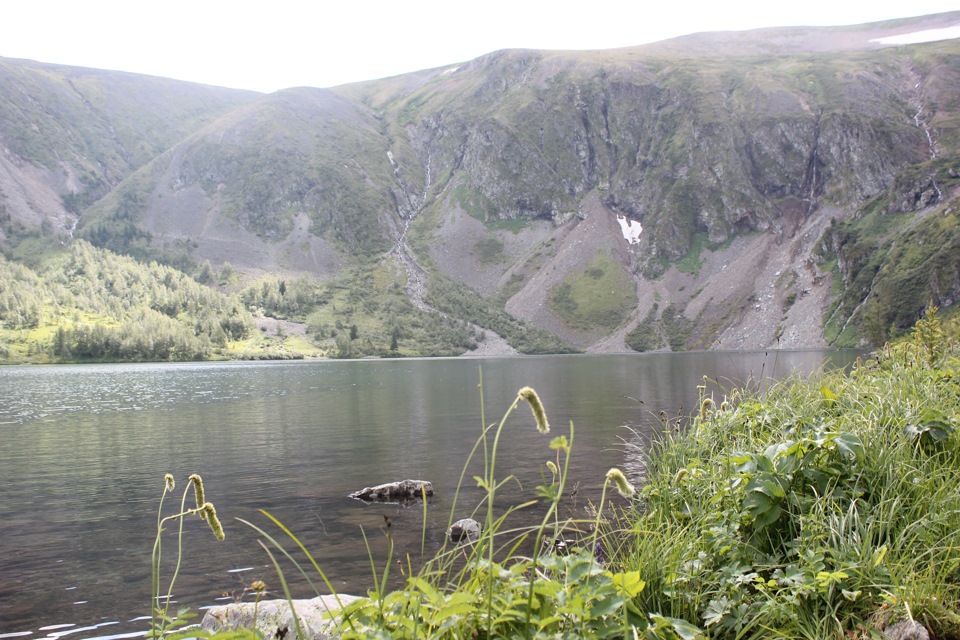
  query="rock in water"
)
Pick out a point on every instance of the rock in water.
point(274, 619)
point(464, 531)
point(402, 490)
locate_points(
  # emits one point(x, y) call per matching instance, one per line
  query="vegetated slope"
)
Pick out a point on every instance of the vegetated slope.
point(87, 304)
point(69, 135)
point(298, 180)
point(501, 185)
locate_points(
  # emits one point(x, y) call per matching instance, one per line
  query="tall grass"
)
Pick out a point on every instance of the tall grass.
point(825, 507)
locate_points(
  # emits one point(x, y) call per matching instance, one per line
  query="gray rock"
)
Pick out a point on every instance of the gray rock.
point(274, 619)
point(906, 630)
point(464, 531)
point(402, 490)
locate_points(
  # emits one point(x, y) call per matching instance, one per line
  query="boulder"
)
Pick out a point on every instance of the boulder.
point(906, 630)
point(401, 491)
point(464, 531)
point(274, 619)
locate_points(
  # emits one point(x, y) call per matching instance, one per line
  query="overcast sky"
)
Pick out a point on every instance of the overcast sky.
point(273, 45)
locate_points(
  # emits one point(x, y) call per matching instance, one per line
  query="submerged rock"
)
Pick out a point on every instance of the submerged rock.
point(275, 620)
point(395, 491)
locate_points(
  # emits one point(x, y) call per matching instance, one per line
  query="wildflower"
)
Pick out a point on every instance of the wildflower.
point(624, 488)
point(598, 553)
point(258, 586)
point(209, 513)
point(170, 482)
point(198, 491)
point(536, 406)
point(553, 468)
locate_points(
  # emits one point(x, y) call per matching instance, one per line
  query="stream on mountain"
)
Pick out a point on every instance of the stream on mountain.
point(85, 449)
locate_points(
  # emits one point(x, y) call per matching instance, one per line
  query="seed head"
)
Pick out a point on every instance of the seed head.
point(258, 586)
point(536, 406)
point(169, 482)
point(209, 513)
point(624, 488)
point(705, 407)
point(197, 483)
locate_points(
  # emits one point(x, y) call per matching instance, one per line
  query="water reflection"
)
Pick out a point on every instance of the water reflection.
point(85, 449)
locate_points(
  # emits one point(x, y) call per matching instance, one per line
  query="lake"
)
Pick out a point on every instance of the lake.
point(84, 450)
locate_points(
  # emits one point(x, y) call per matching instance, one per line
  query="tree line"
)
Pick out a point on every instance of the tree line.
point(91, 304)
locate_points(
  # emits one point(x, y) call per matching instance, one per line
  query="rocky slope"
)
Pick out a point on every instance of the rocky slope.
point(759, 165)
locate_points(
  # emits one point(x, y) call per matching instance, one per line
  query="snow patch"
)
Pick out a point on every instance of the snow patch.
point(927, 35)
point(450, 70)
point(631, 229)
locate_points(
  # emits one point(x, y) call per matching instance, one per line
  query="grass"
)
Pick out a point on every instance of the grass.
point(823, 508)
point(691, 262)
point(820, 507)
point(602, 296)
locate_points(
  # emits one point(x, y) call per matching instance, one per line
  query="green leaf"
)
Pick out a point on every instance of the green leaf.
point(606, 607)
point(543, 623)
point(581, 566)
point(424, 587)
point(881, 554)
point(850, 445)
point(743, 463)
point(681, 628)
point(629, 582)
point(762, 509)
point(458, 604)
point(764, 463)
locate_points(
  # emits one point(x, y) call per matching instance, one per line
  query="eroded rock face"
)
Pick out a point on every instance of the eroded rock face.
point(402, 490)
point(275, 620)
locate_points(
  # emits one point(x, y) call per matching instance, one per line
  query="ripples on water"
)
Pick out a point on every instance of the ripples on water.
point(30, 394)
point(84, 450)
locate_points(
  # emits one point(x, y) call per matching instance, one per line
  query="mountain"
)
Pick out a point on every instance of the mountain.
point(795, 187)
point(68, 136)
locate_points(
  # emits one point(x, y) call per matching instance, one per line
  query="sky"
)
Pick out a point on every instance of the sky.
point(267, 46)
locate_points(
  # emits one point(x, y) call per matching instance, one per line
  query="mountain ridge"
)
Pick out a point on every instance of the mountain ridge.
point(506, 175)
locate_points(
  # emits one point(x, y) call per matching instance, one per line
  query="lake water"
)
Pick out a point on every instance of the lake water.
point(84, 449)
